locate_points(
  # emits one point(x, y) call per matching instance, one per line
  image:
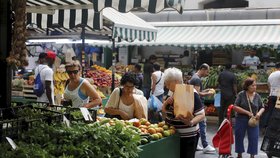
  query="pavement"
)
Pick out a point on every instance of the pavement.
point(212, 127)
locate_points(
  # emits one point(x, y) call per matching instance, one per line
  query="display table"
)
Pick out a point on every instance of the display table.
point(168, 147)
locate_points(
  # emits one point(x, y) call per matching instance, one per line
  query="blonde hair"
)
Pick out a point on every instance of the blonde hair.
point(74, 63)
point(173, 74)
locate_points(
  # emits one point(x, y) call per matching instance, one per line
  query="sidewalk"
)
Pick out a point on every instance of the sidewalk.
point(212, 127)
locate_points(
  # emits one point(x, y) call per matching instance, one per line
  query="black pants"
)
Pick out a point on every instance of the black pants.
point(225, 102)
point(188, 146)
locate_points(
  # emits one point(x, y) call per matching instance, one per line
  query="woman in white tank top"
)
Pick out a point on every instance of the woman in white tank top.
point(79, 90)
point(157, 82)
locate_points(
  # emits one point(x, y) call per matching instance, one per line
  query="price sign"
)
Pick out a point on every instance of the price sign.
point(12, 143)
point(86, 114)
point(66, 121)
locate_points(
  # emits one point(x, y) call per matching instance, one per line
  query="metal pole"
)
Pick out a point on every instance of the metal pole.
point(5, 48)
point(113, 65)
point(83, 50)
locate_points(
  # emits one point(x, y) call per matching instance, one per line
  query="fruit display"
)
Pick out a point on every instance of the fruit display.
point(18, 83)
point(211, 110)
point(102, 77)
point(60, 79)
point(211, 81)
point(122, 69)
point(153, 131)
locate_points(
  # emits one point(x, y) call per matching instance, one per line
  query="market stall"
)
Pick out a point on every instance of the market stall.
point(74, 140)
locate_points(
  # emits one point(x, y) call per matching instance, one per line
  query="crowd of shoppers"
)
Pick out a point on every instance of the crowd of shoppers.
point(130, 99)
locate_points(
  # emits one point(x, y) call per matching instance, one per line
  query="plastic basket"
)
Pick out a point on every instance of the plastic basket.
point(16, 123)
point(271, 146)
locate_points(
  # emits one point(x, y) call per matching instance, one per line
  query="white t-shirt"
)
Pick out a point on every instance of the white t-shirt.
point(46, 75)
point(252, 62)
point(274, 81)
point(159, 90)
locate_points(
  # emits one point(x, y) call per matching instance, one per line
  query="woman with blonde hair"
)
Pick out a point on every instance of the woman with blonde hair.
point(79, 90)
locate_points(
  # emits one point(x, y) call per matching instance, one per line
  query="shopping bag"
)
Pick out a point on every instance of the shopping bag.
point(154, 109)
point(184, 100)
point(217, 100)
point(154, 104)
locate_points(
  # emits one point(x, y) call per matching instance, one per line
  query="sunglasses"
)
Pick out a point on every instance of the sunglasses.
point(73, 72)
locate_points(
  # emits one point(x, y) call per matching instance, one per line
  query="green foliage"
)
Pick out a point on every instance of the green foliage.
point(80, 140)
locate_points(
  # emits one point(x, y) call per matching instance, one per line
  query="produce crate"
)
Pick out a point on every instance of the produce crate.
point(271, 146)
point(262, 88)
point(74, 114)
point(16, 120)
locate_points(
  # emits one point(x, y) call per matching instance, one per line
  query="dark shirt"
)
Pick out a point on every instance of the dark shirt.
point(196, 81)
point(226, 82)
point(242, 102)
point(139, 78)
point(184, 130)
point(148, 70)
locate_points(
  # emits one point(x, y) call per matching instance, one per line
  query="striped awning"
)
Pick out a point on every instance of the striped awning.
point(129, 27)
point(65, 19)
point(152, 6)
point(126, 26)
point(244, 33)
point(44, 5)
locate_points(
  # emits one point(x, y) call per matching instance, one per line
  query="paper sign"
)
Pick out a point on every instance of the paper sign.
point(12, 143)
point(66, 121)
point(86, 114)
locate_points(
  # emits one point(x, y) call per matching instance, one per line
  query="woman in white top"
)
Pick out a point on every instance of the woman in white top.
point(157, 82)
point(127, 101)
point(79, 90)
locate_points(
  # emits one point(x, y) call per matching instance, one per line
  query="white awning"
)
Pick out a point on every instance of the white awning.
point(127, 26)
point(255, 33)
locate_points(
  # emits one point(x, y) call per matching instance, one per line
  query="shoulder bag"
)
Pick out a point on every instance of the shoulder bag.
point(253, 122)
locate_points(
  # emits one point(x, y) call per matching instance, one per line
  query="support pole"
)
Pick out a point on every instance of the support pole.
point(83, 36)
point(5, 48)
point(113, 65)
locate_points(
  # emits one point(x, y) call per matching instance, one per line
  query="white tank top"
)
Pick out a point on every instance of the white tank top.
point(74, 96)
point(160, 85)
point(129, 109)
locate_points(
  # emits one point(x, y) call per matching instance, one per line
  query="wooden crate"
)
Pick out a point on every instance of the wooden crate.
point(262, 88)
point(28, 92)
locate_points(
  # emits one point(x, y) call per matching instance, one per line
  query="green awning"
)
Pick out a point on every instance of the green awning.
point(129, 27)
point(244, 33)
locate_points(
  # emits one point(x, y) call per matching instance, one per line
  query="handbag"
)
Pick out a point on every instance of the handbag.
point(253, 122)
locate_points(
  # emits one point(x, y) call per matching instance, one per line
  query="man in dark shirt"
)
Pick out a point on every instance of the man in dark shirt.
point(197, 83)
point(148, 70)
point(227, 84)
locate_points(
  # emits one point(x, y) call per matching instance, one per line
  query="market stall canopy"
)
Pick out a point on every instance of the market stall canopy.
point(152, 6)
point(202, 34)
point(129, 27)
point(126, 26)
point(47, 6)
